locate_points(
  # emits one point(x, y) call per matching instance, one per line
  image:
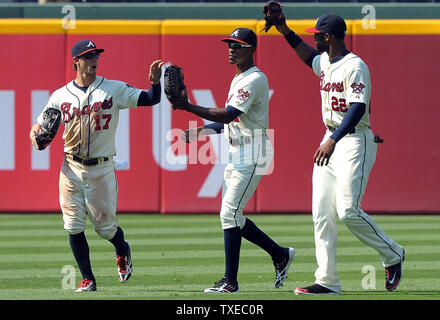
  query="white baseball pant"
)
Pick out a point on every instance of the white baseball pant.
point(247, 165)
point(89, 191)
point(338, 189)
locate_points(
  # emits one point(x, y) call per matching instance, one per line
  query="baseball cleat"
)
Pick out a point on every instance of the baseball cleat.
point(223, 286)
point(393, 275)
point(125, 266)
point(282, 267)
point(86, 285)
point(314, 289)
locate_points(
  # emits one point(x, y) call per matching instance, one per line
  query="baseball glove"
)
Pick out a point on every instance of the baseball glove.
point(273, 15)
point(49, 128)
point(174, 87)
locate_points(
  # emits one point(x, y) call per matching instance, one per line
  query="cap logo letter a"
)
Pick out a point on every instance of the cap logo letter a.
point(235, 33)
point(91, 44)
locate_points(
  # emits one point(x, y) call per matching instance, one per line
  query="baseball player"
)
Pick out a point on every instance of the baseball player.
point(89, 107)
point(245, 121)
point(345, 158)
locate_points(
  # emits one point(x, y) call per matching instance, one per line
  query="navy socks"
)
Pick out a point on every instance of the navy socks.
point(119, 242)
point(80, 249)
point(232, 238)
point(253, 234)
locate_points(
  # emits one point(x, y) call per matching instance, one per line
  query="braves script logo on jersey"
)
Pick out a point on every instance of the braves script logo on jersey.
point(87, 109)
point(243, 95)
point(358, 87)
point(330, 86)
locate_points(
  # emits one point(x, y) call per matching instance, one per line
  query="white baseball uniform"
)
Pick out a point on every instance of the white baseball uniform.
point(90, 120)
point(338, 188)
point(250, 151)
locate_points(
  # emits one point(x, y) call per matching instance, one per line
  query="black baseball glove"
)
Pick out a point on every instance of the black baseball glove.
point(49, 128)
point(174, 87)
point(273, 15)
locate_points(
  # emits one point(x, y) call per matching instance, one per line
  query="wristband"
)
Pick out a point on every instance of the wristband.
point(293, 39)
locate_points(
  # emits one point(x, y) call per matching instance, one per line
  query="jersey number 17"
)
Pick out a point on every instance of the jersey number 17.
point(106, 117)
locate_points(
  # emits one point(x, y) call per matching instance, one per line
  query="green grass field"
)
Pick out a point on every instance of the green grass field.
point(177, 257)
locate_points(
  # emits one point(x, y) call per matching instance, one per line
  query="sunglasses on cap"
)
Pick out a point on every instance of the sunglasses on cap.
point(90, 55)
point(237, 45)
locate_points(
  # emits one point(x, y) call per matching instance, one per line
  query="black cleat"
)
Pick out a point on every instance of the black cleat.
point(282, 267)
point(314, 289)
point(223, 286)
point(125, 266)
point(393, 275)
point(86, 285)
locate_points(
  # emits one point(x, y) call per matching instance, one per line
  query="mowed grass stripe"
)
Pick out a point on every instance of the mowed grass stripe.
point(264, 273)
point(157, 225)
point(194, 292)
point(260, 287)
point(193, 249)
point(171, 239)
point(147, 220)
point(247, 265)
point(177, 229)
point(203, 231)
point(209, 260)
point(20, 220)
point(168, 261)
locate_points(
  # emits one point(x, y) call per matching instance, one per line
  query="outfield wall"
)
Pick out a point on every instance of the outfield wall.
point(157, 177)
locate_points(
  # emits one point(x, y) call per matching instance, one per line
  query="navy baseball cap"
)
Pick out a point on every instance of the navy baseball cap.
point(242, 35)
point(330, 23)
point(84, 46)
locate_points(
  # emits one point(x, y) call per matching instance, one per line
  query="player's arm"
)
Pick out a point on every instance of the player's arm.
point(305, 52)
point(194, 133)
point(212, 128)
point(357, 98)
point(36, 127)
point(219, 115)
point(350, 121)
point(217, 127)
point(152, 96)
